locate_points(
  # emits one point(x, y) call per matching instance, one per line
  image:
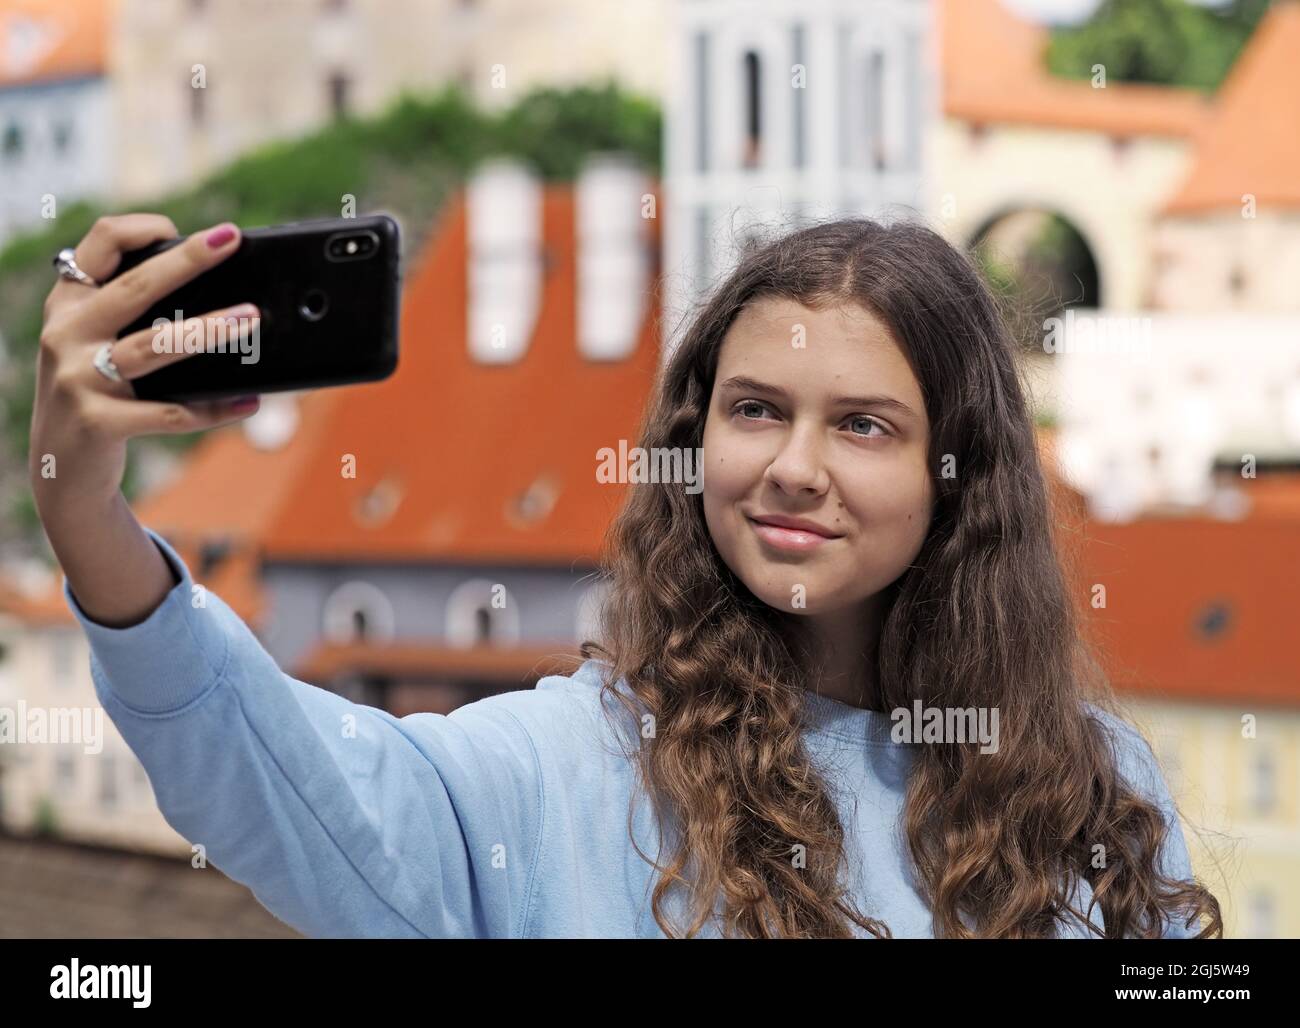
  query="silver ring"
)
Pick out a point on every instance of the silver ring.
point(103, 362)
point(66, 262)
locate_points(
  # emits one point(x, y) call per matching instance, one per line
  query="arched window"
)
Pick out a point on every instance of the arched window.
point(482, 613)
point(358, 612)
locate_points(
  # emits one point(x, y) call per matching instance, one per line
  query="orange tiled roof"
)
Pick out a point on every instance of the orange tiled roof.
point(1274, 496)
point(453, 444)
point(993, 71)
point(235, 580)
point(1164, 577)
point(403, 660)
point(43, 40)
point(1252, 144)
point(42, 609)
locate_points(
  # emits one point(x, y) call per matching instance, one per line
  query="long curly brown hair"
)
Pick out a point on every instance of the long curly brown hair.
point(983, 618)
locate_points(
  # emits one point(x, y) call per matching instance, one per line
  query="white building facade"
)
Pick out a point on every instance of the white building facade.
point(780, 113)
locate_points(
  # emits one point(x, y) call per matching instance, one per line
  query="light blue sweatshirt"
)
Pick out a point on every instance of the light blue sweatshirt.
point(507, 817)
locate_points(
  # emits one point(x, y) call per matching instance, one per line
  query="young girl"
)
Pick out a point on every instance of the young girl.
point(873, 540)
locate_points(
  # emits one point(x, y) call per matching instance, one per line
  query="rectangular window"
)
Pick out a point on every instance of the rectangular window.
point(702, 257)
point(1263, 923)
point(844, 74)
point(702, 100)
point(198, 102)
point(65, 772)
point(61, 656)
point(338, 94)
point(107, 781)
point(1263, 792)
point(876, 109)
point(800, 117)
point(913, 96)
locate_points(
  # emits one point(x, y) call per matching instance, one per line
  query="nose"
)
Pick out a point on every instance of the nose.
point(799, 466)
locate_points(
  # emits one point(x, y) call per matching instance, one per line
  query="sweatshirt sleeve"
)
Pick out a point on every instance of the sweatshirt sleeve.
point(1138, 765)
point(342, 819)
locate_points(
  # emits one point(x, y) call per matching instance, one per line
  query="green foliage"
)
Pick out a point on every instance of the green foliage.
point(405, 161)
point(1169, 42)
point(555, 129)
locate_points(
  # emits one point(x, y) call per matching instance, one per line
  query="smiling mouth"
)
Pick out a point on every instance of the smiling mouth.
point(798, 540)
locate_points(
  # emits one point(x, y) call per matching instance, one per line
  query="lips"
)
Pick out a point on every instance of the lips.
point(795, 525)
point(797, 535)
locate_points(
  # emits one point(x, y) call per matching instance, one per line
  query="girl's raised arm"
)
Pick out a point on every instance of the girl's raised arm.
point(341, 818)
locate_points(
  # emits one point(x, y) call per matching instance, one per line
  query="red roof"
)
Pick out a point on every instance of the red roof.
point(994, 71)
point(40, 610)
point(1253, 142)
point(405, 660)
point(48, 40)
point(457, 443)
point(1196, 609)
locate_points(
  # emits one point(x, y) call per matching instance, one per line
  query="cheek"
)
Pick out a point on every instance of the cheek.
point(891, 506)
point(732, 470)
point(733, 473)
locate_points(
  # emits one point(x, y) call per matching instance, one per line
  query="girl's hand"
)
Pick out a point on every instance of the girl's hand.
point(82, 418)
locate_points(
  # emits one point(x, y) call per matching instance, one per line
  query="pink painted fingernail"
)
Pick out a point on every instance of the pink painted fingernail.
point(221, 235)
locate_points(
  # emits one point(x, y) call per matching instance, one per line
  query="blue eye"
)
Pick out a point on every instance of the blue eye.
point(869, 421)
point(748, 403)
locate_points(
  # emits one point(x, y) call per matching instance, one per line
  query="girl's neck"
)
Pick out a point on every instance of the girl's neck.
point(840, 649)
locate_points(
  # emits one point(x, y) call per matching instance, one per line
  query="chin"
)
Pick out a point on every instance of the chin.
point(816, 599)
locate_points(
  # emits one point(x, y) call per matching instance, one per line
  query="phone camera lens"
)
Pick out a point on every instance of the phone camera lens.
point(314, 304)
point(352, 246)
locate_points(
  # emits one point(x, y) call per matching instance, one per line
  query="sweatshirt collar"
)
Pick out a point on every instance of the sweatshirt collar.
point(856, 724)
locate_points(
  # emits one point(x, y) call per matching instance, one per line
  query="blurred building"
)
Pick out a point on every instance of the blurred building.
point(197, 82)
point(86, 786)
point(785, 112)
point(1189, 613)
point(1185, 208)
point(1229, 237)
point(56, 142)
point(1149, 404)
point(1015, 138)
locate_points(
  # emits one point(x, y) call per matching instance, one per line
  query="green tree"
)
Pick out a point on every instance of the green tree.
point(1167, 42)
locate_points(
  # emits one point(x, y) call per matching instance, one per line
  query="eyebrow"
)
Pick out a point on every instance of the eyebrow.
point(754, 386)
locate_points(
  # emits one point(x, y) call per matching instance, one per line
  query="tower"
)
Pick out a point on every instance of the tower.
point(783, 112)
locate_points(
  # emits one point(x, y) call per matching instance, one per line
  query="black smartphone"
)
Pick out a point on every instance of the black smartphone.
point(329, 296)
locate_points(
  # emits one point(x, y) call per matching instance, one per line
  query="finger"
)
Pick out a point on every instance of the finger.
point(100, 250)
point(133, 292)
point(167, 342)
point(126, 419)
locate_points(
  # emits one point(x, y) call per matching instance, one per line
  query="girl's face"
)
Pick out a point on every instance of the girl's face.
point(815, 419)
